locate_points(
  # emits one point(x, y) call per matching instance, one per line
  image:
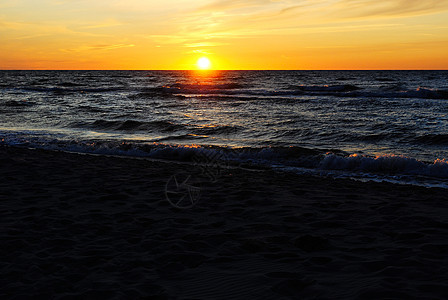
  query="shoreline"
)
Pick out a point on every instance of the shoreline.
point(80, 225)
point(295, 160)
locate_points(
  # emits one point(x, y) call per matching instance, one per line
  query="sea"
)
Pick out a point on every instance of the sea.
point(364, 125)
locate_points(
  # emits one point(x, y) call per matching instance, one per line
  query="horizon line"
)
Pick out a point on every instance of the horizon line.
point(214, 70)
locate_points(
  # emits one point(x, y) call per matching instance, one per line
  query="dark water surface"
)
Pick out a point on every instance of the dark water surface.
point(367, 125)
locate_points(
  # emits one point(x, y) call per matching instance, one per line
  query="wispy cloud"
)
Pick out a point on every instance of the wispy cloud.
point(261, 14)
point(98, 47)
point(202, 52)
point(336, 8)
point(204, 44)
point(5, 24)
point(168, 39)
point(104, 24)
point(221, 5)
point(29, 30)
point(391, 8)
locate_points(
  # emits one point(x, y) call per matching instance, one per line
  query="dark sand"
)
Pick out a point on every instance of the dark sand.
point(81, 226)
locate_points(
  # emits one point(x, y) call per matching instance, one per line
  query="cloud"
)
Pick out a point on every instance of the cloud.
point(29, 30)
point(394, 8)
point(5, 24)
point(110, 47)
point(104, 24)
point(204, 44)
point(98, 47)
point(203, 52)
point(250, 18)
point(167, 39)
point(222, 5)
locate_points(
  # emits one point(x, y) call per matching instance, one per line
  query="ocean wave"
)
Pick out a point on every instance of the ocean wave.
point(385, 164)
point(215, 129)
point(181, 137)
point(344, 90)
point(386, 92)
point(393, 92)
point(204, 86)
point(385, 79)
point(317, 161)
point(131, 125)
point(150, 92)
point(90, 108)
point(18, 103)
point(426, 93)
point(70, 84)
point(432, 139)
point(329, 88)
point(361, 112)
point(73, 89)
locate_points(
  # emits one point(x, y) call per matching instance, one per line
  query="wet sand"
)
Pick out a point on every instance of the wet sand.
point(93, 227)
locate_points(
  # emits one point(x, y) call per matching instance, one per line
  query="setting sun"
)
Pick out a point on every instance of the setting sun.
point(203, 63)
point(223, 35)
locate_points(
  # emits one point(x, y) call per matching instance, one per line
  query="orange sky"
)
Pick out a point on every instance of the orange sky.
point(247, 34)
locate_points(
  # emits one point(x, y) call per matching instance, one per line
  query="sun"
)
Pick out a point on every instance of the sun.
point(204, 63)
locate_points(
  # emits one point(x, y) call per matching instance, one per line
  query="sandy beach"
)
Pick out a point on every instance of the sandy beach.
point(97, 227)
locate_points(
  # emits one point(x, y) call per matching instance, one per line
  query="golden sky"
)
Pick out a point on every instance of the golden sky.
point(247, 34)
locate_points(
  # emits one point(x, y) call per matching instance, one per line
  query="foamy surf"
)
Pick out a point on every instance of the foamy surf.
point(318, 162)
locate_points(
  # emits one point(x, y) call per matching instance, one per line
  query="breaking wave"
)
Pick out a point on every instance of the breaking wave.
point(321, 162)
